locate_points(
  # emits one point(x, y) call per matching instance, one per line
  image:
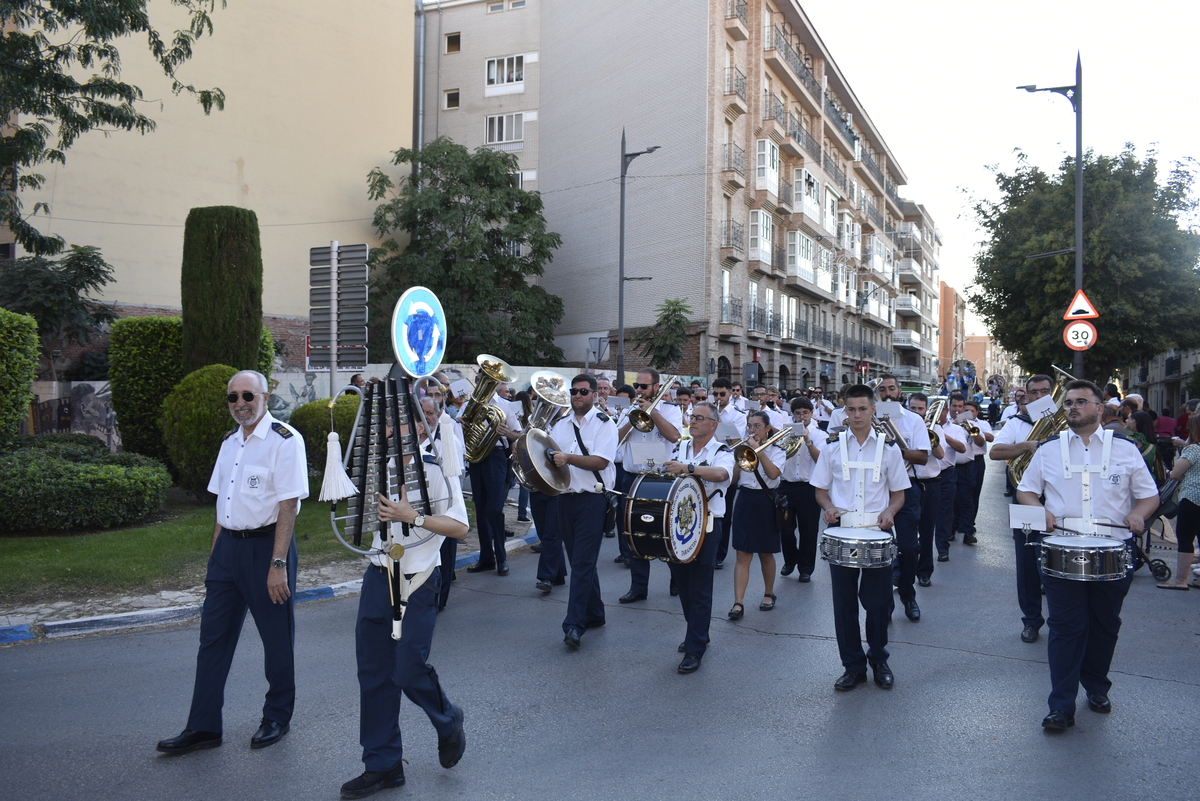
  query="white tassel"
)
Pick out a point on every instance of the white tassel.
point(337, 485)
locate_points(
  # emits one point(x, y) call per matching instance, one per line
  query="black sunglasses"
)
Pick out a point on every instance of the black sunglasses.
point(641, 386)
point(583, 391)
point(246, 396)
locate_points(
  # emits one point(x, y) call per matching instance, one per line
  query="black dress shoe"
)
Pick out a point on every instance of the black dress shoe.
point(969, 539)
point(942, 557)
point(269, 732)
point(189, 741)
point(883, 676)
point(804, 578)
point(1098, 702)
point(573, 638)
point(509, 533)
point(450, 749)
point(371, 781)
point(719, 565)
point(682, 647)
point(923, 582)
point(536, 547)
point(610, 534)
point(787, 569)
point(912, 611)
point(544, 586)
point(502, 569)
point(619, 560)
point(849, 680)
point(690, 663)
point(478, 567)
point(632, 596)
point(1058, 721)
point(1029, 634)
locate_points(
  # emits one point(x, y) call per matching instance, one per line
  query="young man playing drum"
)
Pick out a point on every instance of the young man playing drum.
point(860, 482)
point(1095, 483)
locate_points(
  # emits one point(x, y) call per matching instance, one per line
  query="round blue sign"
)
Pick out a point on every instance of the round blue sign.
point(419, 332)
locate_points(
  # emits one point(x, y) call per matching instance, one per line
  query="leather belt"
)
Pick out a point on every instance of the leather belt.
point(266, 531)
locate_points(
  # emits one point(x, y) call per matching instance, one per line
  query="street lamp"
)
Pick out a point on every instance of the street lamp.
point(626, 157)
point(1075, 95)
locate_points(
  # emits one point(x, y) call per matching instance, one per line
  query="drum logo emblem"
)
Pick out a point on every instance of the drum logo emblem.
point(647, 518)
point(1080, 560)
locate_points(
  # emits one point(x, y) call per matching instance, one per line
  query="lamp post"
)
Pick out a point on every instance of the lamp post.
point(626, 157)
point(1075, 95)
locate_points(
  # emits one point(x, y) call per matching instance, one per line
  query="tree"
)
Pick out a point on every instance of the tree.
point(56, 295)
point(476, 238)
point(221, 288)
point(1140, 265)
point(662, 343)
point(46, 48)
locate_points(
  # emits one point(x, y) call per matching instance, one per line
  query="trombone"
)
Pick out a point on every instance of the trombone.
point(640, 418)
point(746, 457)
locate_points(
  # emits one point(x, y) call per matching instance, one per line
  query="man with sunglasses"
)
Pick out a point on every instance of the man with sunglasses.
point(260, 477)
point(668, 422)
point(588, 442)
point(1094, 482)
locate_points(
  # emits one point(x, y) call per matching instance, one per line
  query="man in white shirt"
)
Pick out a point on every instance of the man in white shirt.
point(723, 394)
point(738, 399)
point(928, 478)
point(954, 444)
point(964, 471)
point(800, 534)
point(1095, 482)
point(822, 408)
point(979, 451)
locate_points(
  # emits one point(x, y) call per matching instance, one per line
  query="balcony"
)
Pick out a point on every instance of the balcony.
point(904, 338)
point(867, 160)
point(805, 140)
point(785, 198)
point(731, 311)
point(907, 305)
point(800, 271)
point(907, 372)
point(735, 89)
point(873, 213)
point(774, 111)
point(835, 172)
point(733, 236)
point(736, 17)
point(787, 61)
point(735, 166)
point(758, 321)
point(890, 187)
point(1171, 367)
point(839, 120)
point(822, 336)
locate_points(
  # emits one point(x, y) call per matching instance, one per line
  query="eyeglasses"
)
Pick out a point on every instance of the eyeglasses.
point(1081, 403)
point(584, 391)
point(641, 386)
point(699, 418)
point(1045, 391)
point(246, 396)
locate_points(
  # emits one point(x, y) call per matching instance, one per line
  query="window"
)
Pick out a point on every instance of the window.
point(453, 42)
point(767, 173)
point(518, 179)
point(724, 285)
point(505, 128)
point(450, 99)
point(831, 204)
point(761, 232)
point(800, 255)
point(506, 70)
point(495, 7)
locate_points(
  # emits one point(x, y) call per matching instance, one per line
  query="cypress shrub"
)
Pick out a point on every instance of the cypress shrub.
point(221, 288)
point(312, 421)
point(18, 365)
point(194, 419)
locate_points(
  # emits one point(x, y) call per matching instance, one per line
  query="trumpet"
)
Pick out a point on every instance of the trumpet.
point(480, 420)
point(932, 416)
point(746, 457)
point(640, 418)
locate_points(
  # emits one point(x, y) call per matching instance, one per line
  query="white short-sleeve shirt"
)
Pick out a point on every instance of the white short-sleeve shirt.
point(599, 436)
point(714, 454)
point(671, 413)
point(827, 474)
point(253, 474)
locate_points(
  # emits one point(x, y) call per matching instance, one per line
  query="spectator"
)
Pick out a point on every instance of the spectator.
point(1187, 525)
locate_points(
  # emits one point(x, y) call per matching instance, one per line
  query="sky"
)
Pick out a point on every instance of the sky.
point(938, 78)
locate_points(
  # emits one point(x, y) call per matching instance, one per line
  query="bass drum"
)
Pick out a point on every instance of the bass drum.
point(665, 517)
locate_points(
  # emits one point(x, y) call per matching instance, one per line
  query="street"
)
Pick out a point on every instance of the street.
point(615, 720)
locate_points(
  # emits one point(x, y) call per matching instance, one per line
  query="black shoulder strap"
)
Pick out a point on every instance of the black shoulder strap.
point(583, 448)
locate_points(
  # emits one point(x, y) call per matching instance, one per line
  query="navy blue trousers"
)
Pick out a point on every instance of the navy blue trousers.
point(1084, 620)
point(552, 562)
point(449, 552)
point(800, 535)
point(730, 497)
point(872, 587)
point(695, 583)
point(980, 472)
point(931, 507)
point(237, 582)
point(907, 526)
point(945, 519)
point(624, 481)
point(1029, 577)
point(387, 668)
point(639, 569)
point(964, 497)
point(489, 488)
point(581, 520)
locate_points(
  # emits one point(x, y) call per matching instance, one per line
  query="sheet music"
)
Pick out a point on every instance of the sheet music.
point(1040, 408)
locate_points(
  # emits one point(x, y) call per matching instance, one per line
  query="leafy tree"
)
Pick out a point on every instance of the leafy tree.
point(47, 48)
point(1140, 266)
point(476, 239)
point(662, 343)
point(55, 293)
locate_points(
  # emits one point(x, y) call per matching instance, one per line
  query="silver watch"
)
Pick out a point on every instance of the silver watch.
point(279, 563)
point(419, 521)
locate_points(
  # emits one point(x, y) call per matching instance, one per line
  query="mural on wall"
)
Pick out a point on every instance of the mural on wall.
point(85, 408)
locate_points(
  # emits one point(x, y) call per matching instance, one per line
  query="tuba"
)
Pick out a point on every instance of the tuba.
point(640, 418)
point(531, 465)
point(480, 420)
point(746, 458)
point(1043, 428)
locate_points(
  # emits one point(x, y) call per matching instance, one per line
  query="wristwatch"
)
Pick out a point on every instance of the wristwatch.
point(281, 564)
point(691, 468)
point(419, 521)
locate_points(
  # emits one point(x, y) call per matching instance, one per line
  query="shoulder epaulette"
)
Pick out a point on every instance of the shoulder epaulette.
point(834, 438)
point(1130, 440)
point(603, 417)
point(891, 442)
point(724, 447)
point(1050, 438)
point(230, 433)
point(281, 430)
point(1024, 418)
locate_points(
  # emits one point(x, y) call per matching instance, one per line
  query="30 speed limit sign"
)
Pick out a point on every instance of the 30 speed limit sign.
point(1079, 335)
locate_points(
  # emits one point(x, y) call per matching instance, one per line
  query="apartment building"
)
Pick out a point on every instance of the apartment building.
point(952, 326)
point(771, 204)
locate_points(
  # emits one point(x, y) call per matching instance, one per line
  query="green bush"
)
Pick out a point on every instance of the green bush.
point(40, 490)
point(57, 438)
point(221, 288)
point(18, 364)
point(194, 420)
point(145, 364)
point(312, 421)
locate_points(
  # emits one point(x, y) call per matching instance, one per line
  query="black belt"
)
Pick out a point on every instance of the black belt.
point(386, 572)
point(266, 531)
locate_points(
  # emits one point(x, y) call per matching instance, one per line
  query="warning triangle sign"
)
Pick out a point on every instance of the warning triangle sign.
point(1081, 308)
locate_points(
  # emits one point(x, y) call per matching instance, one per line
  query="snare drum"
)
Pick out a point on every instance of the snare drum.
point(665, 517)
point(1085, 558)
point(858, 547)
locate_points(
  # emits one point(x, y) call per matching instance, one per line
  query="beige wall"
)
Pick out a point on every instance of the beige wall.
point(316, 95)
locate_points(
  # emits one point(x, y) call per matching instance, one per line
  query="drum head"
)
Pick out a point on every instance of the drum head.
point(1084, 542)
point(688, 518)
point(557, 479)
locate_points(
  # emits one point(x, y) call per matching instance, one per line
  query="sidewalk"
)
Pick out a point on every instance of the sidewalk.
point(112, 613)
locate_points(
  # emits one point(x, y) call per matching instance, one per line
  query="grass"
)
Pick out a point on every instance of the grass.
point(169, 552)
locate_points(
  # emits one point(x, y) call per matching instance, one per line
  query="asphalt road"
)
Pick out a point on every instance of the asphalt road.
point(79, 718)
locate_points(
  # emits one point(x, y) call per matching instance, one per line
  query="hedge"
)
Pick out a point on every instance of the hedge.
point(57, 438)
point(19, 358)
point(194, 419)
point(312, 421)
point(145, 364)
point(40, 490)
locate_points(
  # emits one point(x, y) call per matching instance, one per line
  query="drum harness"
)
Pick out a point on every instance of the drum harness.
point(859, 518)
point(1087, 523)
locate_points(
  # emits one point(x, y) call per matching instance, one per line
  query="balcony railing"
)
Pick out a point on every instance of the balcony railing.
point(795, 61)
point(834, 109)
point(874, 215)
point(737, 8)
point(902, 337)
point(731, 310)
point(892, 192)
point(780, 255)
point(773, 109)
point(872, 167)
point(785, 194)
point(806, 140)
point(1171, 366)
point(734, 235)
point(822, 336)
point(735, 80)
point(759, 319)
point(835, 172)
point(735, 158)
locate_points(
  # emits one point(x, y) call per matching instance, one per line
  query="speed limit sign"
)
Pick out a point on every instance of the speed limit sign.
point(1079, 335)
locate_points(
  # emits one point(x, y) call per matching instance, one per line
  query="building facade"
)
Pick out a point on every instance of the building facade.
point(771, 204)
point(990, 360)
point(952, 327)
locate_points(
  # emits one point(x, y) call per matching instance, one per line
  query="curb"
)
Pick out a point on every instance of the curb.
point(180, 614)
